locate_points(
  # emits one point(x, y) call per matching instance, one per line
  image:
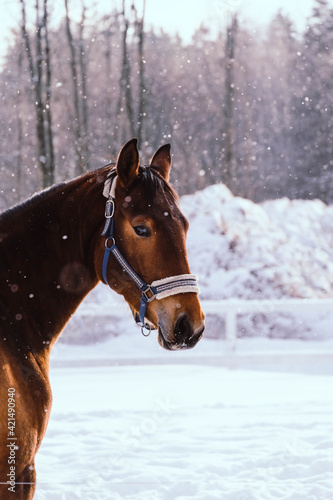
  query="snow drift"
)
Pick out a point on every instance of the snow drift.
point(240, 249)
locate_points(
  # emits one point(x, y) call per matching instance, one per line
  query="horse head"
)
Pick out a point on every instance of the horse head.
point(149, 232)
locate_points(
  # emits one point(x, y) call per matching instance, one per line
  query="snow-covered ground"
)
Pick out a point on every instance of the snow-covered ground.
point(133, 422)
point(196, 425)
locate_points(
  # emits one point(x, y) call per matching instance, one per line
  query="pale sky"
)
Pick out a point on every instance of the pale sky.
point(182, 16)
point(185, 15)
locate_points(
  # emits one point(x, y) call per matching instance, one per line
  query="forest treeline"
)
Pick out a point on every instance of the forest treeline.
point(250, 108)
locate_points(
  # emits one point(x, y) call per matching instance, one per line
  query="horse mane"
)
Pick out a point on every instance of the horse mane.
point(25, 206)
point(153, 183)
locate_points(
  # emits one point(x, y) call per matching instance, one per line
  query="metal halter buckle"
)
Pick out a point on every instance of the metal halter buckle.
point(109, 209)
point(151, 293)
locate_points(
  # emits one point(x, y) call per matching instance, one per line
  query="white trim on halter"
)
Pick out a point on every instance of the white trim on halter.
point(109, 190)
point(183, 283)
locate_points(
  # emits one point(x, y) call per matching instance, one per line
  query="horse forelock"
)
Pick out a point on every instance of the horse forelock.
point(155, 184)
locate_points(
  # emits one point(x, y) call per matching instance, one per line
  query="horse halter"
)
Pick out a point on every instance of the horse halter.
point(159, 289)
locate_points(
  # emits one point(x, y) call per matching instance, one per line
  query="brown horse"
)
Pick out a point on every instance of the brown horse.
point(51, 256)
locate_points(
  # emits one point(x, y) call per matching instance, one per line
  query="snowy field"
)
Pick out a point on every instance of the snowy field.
point(180, 427)
point(133, 422)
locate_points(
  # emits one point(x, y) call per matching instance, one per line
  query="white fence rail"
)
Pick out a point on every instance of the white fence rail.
point(233, 308)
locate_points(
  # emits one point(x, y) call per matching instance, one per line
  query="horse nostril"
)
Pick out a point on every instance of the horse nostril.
point(195, 337)
point(184, 333)
point(183, 330)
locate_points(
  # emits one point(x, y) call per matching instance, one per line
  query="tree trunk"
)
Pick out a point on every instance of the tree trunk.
point(228, 135)
point(44, 135)
point(50, 150)
point(142, 85)
point(84, 97)
point(108, 91)
point(19, 130)
point(125, 78)
point(77, 120)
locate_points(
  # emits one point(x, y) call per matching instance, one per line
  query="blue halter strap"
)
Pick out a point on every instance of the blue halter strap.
point(158, 289)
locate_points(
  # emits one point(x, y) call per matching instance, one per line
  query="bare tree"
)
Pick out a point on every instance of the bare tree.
point(109, 97)
point(126, 98)
point(18, 107)
point(229, 104)
point(79, 135)
point(41, 85)
point(49, 127)
point(142, 83)
point(84, 96)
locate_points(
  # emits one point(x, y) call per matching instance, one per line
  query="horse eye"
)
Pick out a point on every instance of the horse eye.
point(142, 231)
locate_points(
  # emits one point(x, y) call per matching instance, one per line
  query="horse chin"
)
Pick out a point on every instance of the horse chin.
point(170, 345)
point(164, 343)
point(163, 340)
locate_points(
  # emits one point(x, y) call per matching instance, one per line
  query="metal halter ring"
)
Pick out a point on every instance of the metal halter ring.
point(146, 327)
point(107, 243)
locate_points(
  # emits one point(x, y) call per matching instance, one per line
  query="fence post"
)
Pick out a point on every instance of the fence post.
point(231, 328)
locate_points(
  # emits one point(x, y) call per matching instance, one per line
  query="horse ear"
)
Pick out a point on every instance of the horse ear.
point(161, 160)
point(128, 163)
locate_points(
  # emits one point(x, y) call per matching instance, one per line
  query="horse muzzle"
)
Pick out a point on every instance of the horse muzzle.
point(185, 334)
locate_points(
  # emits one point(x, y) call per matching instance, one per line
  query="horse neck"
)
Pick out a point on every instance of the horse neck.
point(47, 263)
